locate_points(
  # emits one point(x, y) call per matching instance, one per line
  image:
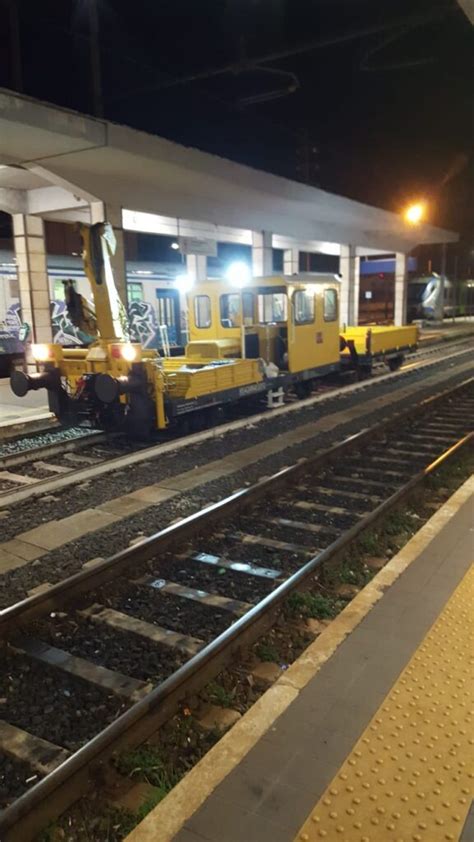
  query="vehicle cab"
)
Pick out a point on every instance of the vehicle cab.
point(290, 322)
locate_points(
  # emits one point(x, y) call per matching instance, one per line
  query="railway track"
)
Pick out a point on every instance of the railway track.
point(29, 472)
point(99, 661)
point(48, 456)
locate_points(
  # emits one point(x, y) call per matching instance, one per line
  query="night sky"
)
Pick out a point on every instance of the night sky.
point(380, 116)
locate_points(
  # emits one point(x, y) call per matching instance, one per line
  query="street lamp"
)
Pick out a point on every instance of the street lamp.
point(415, 213)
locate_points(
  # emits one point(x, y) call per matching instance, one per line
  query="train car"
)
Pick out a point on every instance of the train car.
point(426, 297)
point(276, 334)
point(156, 309)
point(434, 298)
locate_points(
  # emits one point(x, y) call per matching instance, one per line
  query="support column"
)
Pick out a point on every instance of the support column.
point(291, 261)
point(401, 282)
point(196, 267)
point(102, 212)
point(349, 268)
point(262, 254)
point(30, 252)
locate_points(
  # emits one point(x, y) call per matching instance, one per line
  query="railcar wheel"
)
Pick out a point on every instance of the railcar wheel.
point(394, 363)
point(303, 389)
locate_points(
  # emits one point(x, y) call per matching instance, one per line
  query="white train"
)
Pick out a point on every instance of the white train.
point(154, 302)
point(432, 298)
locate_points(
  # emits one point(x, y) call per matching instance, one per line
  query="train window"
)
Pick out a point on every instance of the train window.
point(58, 291)
point(230, 309)
point(248, 299)
point(135, 292)
point(166, 310)
point(330, 305)
point(202, 311)
point(272, 307)
point(303, 307)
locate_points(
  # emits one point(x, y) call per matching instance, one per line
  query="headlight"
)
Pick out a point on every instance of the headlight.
point(129, 353)
point(41, 353)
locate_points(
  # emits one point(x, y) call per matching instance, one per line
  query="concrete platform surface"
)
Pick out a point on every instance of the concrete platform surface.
point(19, 415)
point(449, 329)
point(263, 779)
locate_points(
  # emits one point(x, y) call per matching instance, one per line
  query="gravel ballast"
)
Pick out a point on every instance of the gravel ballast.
point(68, 559)
point(30, 513)
point(51, 704)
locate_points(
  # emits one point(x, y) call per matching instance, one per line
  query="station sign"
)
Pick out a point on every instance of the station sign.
point(193, 245)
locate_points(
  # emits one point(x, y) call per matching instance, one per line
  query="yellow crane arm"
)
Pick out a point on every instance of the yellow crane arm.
point(98, 246)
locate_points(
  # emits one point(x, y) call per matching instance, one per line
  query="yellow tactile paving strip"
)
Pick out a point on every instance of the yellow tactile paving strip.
point(410, 776)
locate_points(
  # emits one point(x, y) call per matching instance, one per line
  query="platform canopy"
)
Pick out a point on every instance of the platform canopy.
point(54, 160)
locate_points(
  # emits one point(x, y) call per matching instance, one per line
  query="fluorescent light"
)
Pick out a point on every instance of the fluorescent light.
point(238, 273)
point(184, 283)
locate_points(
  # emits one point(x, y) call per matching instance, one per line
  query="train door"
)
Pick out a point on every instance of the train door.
point(169, 314)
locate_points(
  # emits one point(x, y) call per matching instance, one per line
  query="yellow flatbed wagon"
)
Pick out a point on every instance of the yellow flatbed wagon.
point(364, 345)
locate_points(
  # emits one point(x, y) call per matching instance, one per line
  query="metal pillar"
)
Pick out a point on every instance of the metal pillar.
point(262, 254)
point(196, 267)
point(349, 269)
point(401, 282)
point(30, 253)
point(291, 261)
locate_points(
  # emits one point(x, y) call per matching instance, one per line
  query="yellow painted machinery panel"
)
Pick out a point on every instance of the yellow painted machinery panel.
point(381, 339)
point(189, 380)
point(213, 349)
point(315, 344)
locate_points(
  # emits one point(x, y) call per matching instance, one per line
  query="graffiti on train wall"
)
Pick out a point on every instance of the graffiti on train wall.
point(64, 331)
point(144, 327)
point(10, 330)
point(143, 323)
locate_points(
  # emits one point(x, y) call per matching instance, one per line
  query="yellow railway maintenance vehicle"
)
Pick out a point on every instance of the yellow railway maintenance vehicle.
point(272, 335)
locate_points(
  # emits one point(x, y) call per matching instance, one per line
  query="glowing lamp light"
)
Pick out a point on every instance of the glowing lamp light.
point(238, 273)
point(415, 213)
point(184, 283)
point(129, 353)
point(175, 246)
point(40, 353)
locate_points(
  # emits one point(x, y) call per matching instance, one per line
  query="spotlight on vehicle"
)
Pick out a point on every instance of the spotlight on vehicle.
point(184, 283)
point(41, 353)
point(129, 353)
point(238, 273)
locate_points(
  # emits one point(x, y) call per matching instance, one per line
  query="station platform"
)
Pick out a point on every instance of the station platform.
point(448, 330)
point(368, 736)
point(20, 415)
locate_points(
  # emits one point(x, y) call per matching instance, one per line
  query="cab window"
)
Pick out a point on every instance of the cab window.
point(272, 307)
point(330, 305)
point(202, 311)
point(303, 307)
point(248, 302)
point(230, 309)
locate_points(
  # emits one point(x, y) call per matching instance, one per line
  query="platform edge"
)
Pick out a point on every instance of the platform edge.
point(170, 815)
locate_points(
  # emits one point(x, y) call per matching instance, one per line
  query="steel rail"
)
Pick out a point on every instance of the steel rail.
point(91, 578)
point(10, 460)
point(73, 777)
point(52, 485)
